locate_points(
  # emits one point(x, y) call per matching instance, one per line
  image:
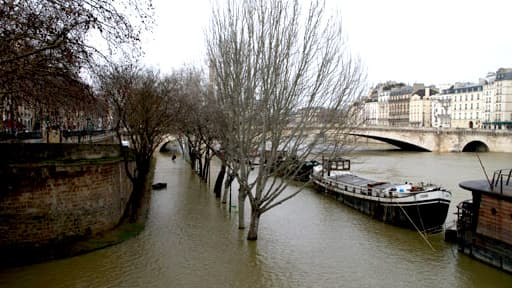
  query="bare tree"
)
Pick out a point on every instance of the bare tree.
point(44, 46)
point(191, 117)
point(143, 110)
point(278, 67)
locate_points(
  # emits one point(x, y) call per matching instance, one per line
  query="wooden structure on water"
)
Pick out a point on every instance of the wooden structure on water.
point(484, 223)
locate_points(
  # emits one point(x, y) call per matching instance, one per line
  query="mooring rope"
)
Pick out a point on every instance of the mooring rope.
point(416, 227)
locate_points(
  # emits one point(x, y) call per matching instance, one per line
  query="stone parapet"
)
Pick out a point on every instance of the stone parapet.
point(59, 193)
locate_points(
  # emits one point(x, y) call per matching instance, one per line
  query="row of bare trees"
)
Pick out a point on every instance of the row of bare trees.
point(45, 48)
point(141, 107)
point(276, 69)
point(276, 65)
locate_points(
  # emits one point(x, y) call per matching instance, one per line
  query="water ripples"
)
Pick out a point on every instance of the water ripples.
point(191, 240)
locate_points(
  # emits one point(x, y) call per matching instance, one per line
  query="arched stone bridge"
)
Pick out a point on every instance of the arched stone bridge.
point(440, 140)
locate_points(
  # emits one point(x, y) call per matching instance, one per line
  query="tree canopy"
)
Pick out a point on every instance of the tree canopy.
point(45, 45)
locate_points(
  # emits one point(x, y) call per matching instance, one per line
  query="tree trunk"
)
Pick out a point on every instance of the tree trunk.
point(199, 165)
point(242, 195)
point(217, 189)
point(227, 185)
point(192, 155)
point(133, 203)
point(253, 228)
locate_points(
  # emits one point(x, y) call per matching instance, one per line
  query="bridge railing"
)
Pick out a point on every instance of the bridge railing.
point(475, 131)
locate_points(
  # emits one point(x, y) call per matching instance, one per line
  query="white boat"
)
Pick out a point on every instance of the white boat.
point(422, 207)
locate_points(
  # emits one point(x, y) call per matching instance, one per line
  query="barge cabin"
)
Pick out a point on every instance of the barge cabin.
point(484, 223)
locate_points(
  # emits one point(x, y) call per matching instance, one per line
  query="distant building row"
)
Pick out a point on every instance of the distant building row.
point(486, 105)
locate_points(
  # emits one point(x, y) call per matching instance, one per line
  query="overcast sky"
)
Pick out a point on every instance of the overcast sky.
point(431, 41)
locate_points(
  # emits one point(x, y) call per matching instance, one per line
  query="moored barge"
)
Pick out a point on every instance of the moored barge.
point(422, 207)
point(484, 223)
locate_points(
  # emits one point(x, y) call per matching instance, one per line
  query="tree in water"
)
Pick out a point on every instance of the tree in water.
point(279, 71)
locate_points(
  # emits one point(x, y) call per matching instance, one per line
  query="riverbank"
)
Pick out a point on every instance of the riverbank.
point(69, 246)
point(33, 255)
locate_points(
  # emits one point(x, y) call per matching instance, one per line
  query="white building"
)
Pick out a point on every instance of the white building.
point(383, 103)
point(500, 105)
point(371, 112)
point(467, 105)
point(489, 100)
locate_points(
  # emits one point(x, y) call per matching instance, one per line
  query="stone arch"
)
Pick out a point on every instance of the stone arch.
point(407, 146)
point(475, 146)
point(167, 139)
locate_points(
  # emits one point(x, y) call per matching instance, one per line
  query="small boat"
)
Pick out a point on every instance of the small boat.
point(159, 185)
point(421, 207)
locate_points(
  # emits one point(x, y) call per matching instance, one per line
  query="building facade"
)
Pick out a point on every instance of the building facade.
point(467, 105)
point(399, 98)
point(441, 110)
point(420, 108)
point(500, 103)
point(483, 105)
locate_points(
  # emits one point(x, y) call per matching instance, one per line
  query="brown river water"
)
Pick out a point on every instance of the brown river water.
point(191, 240)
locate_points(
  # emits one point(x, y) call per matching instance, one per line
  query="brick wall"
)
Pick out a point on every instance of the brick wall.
point(42, 203)
point(499, 224)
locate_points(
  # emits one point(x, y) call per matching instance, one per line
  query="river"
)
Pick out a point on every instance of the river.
point(191, 240)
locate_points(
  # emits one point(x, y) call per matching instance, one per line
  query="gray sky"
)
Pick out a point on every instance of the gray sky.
point(433, 42)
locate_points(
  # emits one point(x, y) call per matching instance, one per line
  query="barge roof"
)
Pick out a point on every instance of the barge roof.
point(483, 186)
point(360, 181)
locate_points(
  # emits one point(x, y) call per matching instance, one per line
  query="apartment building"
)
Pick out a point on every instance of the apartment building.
point(483, 105)
point(420, 107)
point(489, 100)
point(498, 101)
point(399, 98)
point(441, 108)
point(383, 108)
point(371, 112)
point(466, 105)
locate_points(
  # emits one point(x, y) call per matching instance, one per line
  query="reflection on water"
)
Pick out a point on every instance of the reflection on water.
point(311, 241)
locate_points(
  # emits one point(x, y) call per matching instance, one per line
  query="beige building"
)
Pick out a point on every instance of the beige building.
point(399, 99)
point(420, 108)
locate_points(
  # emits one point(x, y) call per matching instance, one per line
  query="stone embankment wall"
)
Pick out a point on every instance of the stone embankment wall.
point(59, 193)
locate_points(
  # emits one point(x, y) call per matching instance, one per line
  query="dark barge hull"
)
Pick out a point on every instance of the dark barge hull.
point(427, 216)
